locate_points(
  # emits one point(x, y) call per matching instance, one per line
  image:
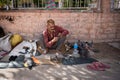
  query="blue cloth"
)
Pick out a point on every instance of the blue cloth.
point(50, 4)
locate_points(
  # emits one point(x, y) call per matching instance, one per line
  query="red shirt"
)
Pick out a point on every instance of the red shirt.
point(47, 36)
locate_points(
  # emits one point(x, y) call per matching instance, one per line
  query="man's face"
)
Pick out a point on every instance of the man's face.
point(50, 26)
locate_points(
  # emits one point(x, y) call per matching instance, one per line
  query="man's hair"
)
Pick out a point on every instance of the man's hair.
point(50, 21)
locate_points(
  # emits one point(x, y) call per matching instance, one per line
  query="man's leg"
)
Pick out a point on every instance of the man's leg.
point(59, 43)
point(40, 42)
point(41, 45)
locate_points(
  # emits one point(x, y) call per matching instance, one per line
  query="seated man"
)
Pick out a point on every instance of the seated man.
point(53, 37)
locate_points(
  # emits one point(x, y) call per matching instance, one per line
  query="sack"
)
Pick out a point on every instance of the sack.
point(2, 54)
point(5, 43)
point(19, 48)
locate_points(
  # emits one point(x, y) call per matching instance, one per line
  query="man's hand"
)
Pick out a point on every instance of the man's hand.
point(59, 35)
point(55, 39)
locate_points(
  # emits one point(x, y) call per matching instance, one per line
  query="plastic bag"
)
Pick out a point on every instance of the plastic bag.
point(5, 43)
point(16, 39)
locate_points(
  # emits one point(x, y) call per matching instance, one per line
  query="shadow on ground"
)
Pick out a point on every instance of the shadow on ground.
point(107, 54)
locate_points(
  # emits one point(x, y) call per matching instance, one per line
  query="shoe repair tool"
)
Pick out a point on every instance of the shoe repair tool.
point(26, 50)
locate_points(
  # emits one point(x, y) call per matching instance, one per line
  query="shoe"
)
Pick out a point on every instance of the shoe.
point(42, 51)
point(56, 59)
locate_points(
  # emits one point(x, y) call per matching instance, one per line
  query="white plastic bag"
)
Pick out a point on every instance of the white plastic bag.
point(5, 43)
point(19, 48)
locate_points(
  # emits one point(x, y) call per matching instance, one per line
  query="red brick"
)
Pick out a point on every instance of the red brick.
point(103, 26)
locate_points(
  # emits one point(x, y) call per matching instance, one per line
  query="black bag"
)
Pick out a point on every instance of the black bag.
point(2, 33)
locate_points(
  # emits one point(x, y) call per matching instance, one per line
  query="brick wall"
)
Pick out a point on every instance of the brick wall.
point(99, 27)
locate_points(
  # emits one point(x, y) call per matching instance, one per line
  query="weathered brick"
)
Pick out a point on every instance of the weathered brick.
point(111, 36)
point(118, 36)
point(99, 27)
